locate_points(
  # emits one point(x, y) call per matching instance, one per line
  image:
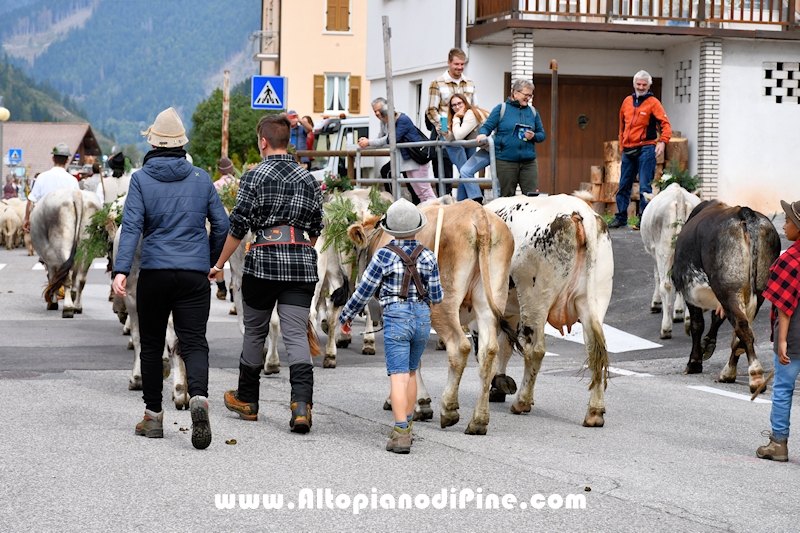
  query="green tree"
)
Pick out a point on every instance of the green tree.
point(205, 139)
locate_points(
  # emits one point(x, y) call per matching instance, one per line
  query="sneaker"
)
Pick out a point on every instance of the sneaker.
point(776, 450)
point(152, 425)
point(617, 223)
point(301, 417)
point(246, 411)
point(201, 428)
point(400, 441)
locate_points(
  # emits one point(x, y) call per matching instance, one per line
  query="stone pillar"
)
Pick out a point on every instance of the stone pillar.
point(708, 116)
point(522, 55)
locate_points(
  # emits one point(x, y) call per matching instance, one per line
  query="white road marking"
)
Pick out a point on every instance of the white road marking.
point(617, 341)
point(712, 390)
point(38, 266)
point(100, 263)
point(623, 372)
point(2, 266)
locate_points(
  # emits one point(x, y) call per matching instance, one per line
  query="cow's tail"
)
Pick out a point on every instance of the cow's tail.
point(750, 226)
point(62, 272)
point(484, 242)
point(596, 352)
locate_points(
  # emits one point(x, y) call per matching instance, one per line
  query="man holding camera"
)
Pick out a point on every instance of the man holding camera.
point(640, 143)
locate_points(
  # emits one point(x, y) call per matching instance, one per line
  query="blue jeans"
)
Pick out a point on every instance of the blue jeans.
point(782, 391)
point(645, 166)
point(406, 328)
point(477, 162)
point(459, 156)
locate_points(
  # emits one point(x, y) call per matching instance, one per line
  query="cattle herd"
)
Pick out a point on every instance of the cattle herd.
point(507, 269)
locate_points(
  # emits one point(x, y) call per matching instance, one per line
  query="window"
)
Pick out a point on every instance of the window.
point(337, 93)
point(338, 15)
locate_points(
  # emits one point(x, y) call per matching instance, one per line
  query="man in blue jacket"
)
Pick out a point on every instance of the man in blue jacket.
point(166, 207)
point(518, 126)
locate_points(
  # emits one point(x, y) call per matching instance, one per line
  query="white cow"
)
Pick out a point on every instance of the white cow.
point(11, 227)
point(57, 227)
point(562, 273)
point(662, 222)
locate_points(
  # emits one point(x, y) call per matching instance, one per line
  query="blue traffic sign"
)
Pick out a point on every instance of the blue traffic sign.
point(14, 156)
point(269, 92)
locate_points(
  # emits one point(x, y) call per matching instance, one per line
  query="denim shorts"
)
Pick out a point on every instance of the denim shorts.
point(406, 328)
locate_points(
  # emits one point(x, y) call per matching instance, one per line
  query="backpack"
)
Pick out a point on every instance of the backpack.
point(503, 111)
point(421, 155)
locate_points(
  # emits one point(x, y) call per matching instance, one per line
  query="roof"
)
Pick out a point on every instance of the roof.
point(37, 139)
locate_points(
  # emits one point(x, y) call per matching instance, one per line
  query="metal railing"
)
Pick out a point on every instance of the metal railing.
point(265, 45)
point(683, 12)
point(354, 164)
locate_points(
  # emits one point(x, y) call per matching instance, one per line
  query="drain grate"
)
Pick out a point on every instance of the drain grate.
point(19, 375)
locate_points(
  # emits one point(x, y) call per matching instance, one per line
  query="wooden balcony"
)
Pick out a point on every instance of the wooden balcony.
point(730, 14)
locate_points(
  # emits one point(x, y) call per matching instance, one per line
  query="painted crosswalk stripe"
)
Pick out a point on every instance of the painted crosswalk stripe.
point(617, 341)
point(623, 372)
point(100, 264)
point(712, 390)
point(2, 266)
point(38, 266)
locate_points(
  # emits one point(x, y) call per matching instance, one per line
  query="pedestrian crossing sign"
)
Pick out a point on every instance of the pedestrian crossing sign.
point(269, 92)
point(14, 156)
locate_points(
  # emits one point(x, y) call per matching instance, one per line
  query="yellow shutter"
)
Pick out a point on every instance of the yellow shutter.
point(355, 95)
point(344, 15)
point(332, 12)
point(319, 93)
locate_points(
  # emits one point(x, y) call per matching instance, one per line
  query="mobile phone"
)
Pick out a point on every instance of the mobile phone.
point(521, 129)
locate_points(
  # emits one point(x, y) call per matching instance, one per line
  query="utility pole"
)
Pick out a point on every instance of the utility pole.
point(387, 56)
point(4, 115)
point(553, 124)
point(226, 111)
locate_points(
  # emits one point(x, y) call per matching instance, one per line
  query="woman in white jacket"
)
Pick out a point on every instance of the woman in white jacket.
point(464, 123)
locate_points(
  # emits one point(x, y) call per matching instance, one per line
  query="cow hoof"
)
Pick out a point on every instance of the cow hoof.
point(519, 408)
point(130, 345)
point(78, 310)
point(655, 308)
point(422, 411)
point(708, 346)
point(329, 362)
point(135, 383)
point(450, 418)
point(387, 405)
point(473, 428)
point(497, 396)
point(343, 343)
point(165, 368)
point(440, 345)
point(677, 318)
point(232, 311)
point(694, 367)
point(594, 418)
point(52, 306)
point(324, 326)
point(665, 335)
point(368, 350)
point(729, 379)
point(756, 381)
point(68, 313)
point(507, 384)
point(272, 369)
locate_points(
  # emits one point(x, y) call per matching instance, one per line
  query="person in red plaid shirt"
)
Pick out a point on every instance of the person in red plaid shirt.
point(783, 290)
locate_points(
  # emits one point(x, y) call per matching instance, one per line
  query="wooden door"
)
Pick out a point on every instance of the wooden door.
point(588, 115)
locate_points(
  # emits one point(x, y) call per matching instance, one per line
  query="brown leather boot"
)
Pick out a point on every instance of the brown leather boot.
point(400, 441)
point(776, 450)
point(301, 417)
point(246, 411)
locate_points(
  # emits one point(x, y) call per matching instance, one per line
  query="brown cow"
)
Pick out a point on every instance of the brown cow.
point(472, 238)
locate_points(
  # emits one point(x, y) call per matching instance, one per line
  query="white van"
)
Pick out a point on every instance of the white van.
point(342, 134)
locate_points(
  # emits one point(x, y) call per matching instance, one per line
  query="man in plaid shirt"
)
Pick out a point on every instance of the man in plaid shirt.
point(281, 204)
point(408, 278)
point(783, 290)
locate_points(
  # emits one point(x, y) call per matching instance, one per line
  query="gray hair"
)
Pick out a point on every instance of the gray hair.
point(379, 100)
point(384, 110)
point(520, 84)
point(642, 75)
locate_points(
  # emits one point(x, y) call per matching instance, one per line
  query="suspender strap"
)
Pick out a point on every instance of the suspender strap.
point(410, 263)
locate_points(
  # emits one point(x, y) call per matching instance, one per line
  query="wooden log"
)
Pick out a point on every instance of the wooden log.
point(678, 150)
point(608, 192)
point(611, 151)
point(585, 186)
point(600, 208)
point(612, 171)
point(598, 174)
point(611, 208)
point(597, 192)
point(676, 134)
point(635, 192)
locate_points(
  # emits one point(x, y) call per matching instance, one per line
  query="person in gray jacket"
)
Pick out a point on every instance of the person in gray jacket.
point(166, 208)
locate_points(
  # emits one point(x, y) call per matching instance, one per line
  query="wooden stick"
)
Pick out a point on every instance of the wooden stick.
point(439, 220)
point(761, 388)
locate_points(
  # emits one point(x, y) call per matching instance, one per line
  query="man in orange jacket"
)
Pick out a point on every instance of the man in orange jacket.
point(641, 144)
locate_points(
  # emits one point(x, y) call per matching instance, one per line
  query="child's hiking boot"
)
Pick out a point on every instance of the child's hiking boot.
point(400, 441)
point(776, 450)
point(301, 417)
point(201, 427)
point(152, 425)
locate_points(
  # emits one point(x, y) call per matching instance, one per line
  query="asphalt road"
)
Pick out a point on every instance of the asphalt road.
point(670, 457)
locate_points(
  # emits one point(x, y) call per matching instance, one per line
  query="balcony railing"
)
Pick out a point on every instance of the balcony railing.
point(265, 45)
point(780, 13)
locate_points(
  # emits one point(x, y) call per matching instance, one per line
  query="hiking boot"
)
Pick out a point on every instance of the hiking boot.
point(301, 417)
point(776, 450)
point(617, 223)
point(635, 227)
point(201, 428)
point(400, 441)
point(152, 425)
point(222, 291)
point(246, 411)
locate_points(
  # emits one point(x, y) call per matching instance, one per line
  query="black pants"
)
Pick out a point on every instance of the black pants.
point(186, 295)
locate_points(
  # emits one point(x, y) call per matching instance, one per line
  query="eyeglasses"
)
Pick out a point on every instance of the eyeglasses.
point(526, 96)
point(457, 104)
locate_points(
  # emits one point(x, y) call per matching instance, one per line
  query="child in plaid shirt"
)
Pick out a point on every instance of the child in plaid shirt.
point(408, 278)
point(783, 290)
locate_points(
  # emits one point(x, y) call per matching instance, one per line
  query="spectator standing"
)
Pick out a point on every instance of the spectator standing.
point(639, 118)
point(518, 126)
point(299, 135)
point(227, 176)
point(9, 189)
point(46, 182)
point(117, 185)
point(166, 208)
point(464, 121)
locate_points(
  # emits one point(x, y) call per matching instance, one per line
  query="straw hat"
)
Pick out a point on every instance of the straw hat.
point(792, 212)
point(62, 149)
point(167, 131)
point(403, 219)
